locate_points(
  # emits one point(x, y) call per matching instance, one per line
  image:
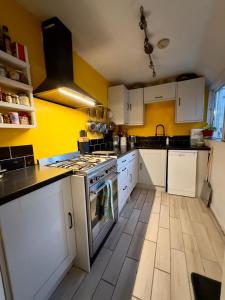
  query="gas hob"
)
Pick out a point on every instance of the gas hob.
point(77, 162)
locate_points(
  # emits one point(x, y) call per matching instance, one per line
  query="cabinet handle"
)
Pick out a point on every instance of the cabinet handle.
point(140, 166)
point(130, 106)
point(123, 161)
point(133, 154)
point(158, 97)
point(130, 177)
point(179, 101)
point(71, 220)
point(125, 188)
point(124, 169)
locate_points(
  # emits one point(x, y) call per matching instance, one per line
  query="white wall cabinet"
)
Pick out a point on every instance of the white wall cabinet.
point(162, 92)
point(190, 100)
point(136, 107)
point(119, 104)
point(39, 239)
point(152, 167)
point(182, 170)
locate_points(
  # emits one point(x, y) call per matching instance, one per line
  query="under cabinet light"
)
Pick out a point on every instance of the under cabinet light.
point(76, 95)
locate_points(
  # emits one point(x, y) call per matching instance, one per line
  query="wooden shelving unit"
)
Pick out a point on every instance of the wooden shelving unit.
point(17, 87)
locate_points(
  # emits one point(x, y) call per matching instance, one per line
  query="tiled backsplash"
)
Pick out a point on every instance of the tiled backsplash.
point(101, 144)
point(177, 141)
point(16, 157)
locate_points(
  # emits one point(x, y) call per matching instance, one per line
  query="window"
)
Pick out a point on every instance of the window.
point(218, 119)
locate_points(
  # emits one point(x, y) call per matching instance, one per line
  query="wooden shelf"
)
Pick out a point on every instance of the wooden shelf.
point(16, 107)
point(15, 126)
point(7, 82)
point(13, 61)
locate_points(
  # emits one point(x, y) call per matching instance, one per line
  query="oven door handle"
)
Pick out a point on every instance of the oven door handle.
point(102, 186)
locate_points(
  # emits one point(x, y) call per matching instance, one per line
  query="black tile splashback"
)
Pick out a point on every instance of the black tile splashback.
point(16, 157)
point(4, 153)
point(182, 140)
point(18, 151)
point(101, 144)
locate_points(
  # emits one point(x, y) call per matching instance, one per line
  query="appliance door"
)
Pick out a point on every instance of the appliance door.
point(99, 226)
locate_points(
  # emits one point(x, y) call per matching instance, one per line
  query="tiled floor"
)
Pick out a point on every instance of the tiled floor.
point(179, 238)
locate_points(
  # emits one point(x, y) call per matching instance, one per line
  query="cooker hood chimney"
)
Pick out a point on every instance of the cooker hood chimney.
point(59, 86)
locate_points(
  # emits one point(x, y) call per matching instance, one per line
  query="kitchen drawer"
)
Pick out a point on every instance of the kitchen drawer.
point(123, 174)
point(123, 161)
point(132, 155)
point(123, 194)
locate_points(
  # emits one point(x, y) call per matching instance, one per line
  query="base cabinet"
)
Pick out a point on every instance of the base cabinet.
point(182, 172)
point(152, 167)
point(39, 240)
point(127, 167)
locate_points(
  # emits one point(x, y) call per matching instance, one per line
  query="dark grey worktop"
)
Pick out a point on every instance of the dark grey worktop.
point(119, 152)
point(20, 182)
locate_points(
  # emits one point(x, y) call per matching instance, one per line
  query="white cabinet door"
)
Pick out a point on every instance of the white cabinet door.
point(190, 100)
point(39, 239)
point(136, 107)
point(152, 167)
point(133, 171)
point(182, 172)
point(162, 92)
point(119, 103)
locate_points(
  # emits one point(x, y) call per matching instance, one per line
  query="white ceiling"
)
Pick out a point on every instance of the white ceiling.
point(106, 34)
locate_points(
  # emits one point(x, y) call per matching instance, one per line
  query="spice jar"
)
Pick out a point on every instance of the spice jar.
point(2, 70)
point(14, 117)
point(14, 75)
point(24, 99)
point(8, 98)
point(6, 118)
point(24, 118)
point(15, 99)
point(1, 118)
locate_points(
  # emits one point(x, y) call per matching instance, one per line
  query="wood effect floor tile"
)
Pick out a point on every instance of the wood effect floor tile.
point(185, 221)
point(164, 217)
point(193, 210)
point(91, 281)
point(132, 222)
point(174, 206)
point(137, 241)
point(104, 291)
point(135, 194)
point(143, 283)
point(156, 204)
point(162, 260)
point(161, 285)
point(69, 285)
point(150, 196)
point(165, 199)
point(141, 200)
point(145, 212)
point(176, 237)
point(114, 236)
point(219, 249)
point(125, 284)
point(114, 267)
point(153, 228)
point(203, 241)
point(193, 258)
point(128, 208)
point(179, 277)
point(212, 269)
point(211, 228)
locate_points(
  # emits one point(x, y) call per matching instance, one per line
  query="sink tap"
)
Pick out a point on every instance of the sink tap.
point(163, 130)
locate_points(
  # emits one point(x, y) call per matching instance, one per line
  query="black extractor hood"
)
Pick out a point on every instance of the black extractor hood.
point(59, 86)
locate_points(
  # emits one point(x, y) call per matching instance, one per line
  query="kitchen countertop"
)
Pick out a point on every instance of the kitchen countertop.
point(17, 183)
point(121, 151)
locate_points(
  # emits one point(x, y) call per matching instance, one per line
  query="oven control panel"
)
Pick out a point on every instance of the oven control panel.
point(101, 174)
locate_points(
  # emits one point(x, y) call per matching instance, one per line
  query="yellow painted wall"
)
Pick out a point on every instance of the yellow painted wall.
point(164, 113)
point(58, 126)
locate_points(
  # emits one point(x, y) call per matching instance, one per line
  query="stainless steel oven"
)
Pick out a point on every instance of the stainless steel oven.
point(99, 226)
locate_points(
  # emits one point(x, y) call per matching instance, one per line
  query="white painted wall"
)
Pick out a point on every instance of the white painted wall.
point(218, 181)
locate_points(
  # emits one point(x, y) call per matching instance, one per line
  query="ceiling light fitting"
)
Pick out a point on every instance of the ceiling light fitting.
point(163, 43)
point(148, 47)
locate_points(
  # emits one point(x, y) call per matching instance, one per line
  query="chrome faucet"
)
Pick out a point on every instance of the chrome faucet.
point(163, 130)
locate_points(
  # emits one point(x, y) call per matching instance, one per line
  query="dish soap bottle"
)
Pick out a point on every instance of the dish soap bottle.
point(167, 141)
